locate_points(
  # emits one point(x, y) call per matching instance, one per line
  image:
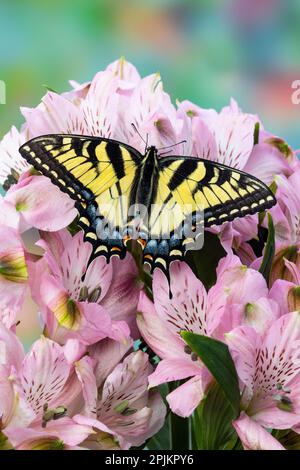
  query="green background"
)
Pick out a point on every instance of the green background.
point(206, 51)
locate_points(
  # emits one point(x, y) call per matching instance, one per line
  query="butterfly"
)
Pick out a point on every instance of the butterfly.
point(111, 181)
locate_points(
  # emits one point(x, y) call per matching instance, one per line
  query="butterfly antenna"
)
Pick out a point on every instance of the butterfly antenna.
point(173, 145)
point(138, 133)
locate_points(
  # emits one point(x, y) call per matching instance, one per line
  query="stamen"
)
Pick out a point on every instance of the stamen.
point(187, 349)
point(94, 295)
point(194, 356)
point(83, 294)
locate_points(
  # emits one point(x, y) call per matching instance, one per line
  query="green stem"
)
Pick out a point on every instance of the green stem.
point(180, 430)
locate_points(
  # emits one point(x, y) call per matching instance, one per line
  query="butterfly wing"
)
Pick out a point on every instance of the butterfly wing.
point(196, 186)
point(98, 174)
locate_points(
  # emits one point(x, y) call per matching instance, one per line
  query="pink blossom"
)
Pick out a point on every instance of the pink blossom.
point(40, 204)
point(268, 368)
point(79, 302)
point(12, 165)
point(123, 402)
point(190, 308)
point(240, 295)
point(13, 270)
point(286, 213)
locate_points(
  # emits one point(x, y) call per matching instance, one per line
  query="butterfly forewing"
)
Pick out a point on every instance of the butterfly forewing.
point(97, 173)
point(224, 193)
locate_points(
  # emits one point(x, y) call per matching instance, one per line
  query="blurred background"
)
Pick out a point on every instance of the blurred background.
point(205, 50)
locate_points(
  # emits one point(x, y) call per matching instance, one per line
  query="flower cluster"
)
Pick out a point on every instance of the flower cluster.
point(84, 384)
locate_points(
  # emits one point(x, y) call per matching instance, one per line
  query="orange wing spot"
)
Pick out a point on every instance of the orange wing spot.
point(126, 239)
point(115, 248)
point(142, 242)
point(148, 257)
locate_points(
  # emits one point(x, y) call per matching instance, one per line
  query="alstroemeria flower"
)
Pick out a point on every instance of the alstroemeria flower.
point(13, 270)
point(36, 389)
point(247, 296)
point(79, 302)
point(268, 366)
point(40, 204)
point(286, 292)
point(190, 308)
point(64, 434)
point(90, 109)
point(12, 165)
point(240, 295)
point(123, 402)
point(286, 213)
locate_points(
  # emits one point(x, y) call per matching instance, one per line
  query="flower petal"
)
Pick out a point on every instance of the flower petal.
point(254, 436)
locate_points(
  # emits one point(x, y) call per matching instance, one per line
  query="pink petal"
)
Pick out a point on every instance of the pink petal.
point(74, 350)
point(185, 399)
point(13, 269)
point(7, 395)
point(11, 349)
point(64, 429)
point(243, 343)
point(41, 204)
point(56, 114)
point(121, 298)
point(106, 354)
point(44, 373)
point(233, 131)
point(85, 373)
point(205, 145)
point(10, 158)
point(187, 309)
point(265, 162)
point(169, 370)
point(254, 436)
point(162, 340)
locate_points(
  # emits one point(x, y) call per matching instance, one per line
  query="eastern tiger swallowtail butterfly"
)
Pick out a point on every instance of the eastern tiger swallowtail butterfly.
point(106, 177)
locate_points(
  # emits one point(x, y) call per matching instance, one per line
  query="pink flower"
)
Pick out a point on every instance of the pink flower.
point(40, 204)
point(286, 213)
point(122, 402)
point(190, 308)
point(115, 98)
point(240, 295)
point(268, 367)
point(35, 387)
point(12, 165)
point(79, 302)
point(286, 292)
point(64, 434)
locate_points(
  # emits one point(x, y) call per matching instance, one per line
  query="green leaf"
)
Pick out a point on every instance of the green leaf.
point(288, 438)
point(204, 262)
point(269, 252)
point(216, 356)
point(212, 419)
point(4, 442)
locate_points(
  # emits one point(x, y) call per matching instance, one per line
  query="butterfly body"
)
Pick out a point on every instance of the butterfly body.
point(163, 202)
